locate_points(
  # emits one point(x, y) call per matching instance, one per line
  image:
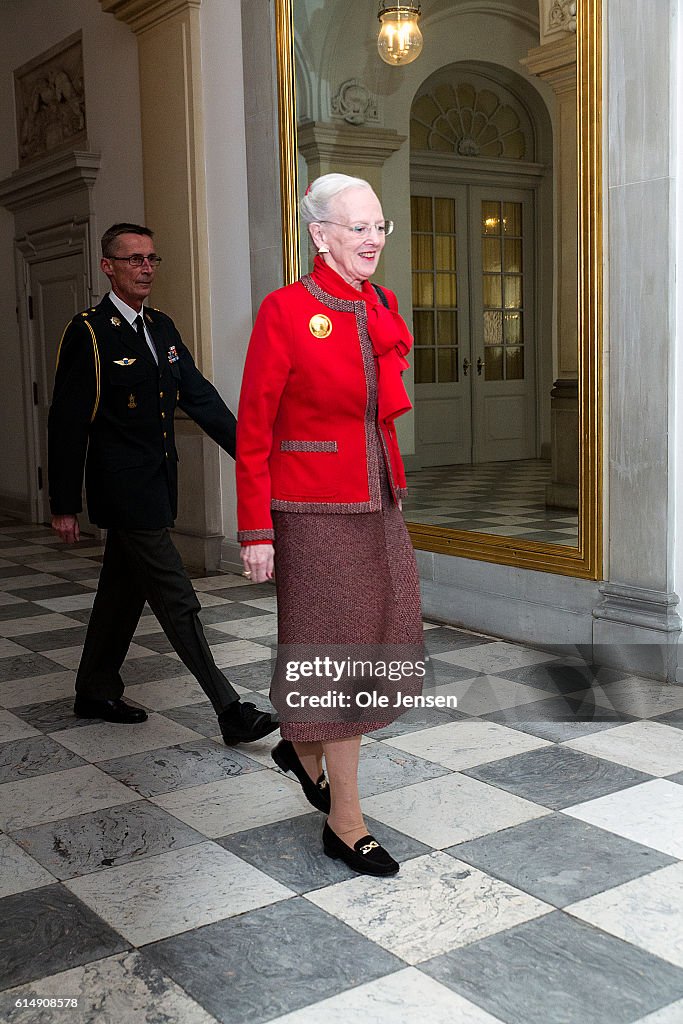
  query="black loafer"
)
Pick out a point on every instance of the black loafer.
point(317, 793)
point(242, 722)
point(108, 710)
point(366, 857)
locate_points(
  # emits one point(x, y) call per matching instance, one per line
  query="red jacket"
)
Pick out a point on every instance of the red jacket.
point(307, 437)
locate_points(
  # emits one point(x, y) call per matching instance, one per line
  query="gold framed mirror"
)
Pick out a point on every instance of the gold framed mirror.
point(497, 174)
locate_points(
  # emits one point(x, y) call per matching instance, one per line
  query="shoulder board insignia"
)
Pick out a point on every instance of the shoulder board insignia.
point(148, 318)
point(86, 313)
point(126, 361)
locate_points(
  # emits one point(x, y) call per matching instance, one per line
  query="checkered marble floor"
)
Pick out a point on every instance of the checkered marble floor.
point(506, 499)
point(155, 875)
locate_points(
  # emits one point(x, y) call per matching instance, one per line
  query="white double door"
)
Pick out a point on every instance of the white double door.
point(474, 323)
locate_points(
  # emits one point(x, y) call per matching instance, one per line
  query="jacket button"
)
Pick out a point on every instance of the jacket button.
point(163, 415)
point(161, 394)
point(165, 433)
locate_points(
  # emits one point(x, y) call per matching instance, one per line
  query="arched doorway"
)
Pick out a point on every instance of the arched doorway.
point(481, 223)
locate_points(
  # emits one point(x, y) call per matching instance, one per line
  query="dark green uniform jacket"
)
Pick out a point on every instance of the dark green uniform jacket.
point(112, 414)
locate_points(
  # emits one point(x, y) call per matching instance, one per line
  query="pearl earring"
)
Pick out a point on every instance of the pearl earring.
point(322, 249)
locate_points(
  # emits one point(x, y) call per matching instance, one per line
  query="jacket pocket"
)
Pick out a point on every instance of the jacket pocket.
point(306, 471)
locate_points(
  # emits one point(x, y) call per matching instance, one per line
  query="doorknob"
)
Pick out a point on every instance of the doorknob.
point(479, 366)
point(465, 367)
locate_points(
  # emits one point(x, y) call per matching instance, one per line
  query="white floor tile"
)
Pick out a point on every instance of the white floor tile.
point(8, 599)
point(401, 998)
point(36, 624)
point(104, 740)
point(72, 603)
point(482, 695)
point(495, 657)
point(9, 649)
point(223, 582)
point(451, 809)
point(465, 744)
point(236, 804)
point(645, 912)
point(258, 625)
point(119, 989)
point(435, 904)
point(651, 814)
point(16, 693)
point(13, 728)
point(162, 694)
point(176, 891)
point(239, 652)
point(646, 746)
point(59, 795)
point(70, 657)
point(643, 698)
point(672, 1014)
point(18, 871)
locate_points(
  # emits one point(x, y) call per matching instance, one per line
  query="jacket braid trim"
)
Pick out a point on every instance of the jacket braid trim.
point(96, 354)
point(371, 428)
point(246, 536)
point(338, 507)
point(308, 446)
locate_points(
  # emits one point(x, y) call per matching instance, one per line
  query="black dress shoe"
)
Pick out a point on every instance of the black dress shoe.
point(317, 793)
point(367, 856)
point(242, 722)
point(108, 710)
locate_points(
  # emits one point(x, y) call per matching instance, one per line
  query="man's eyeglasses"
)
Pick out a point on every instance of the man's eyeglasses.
point(136, 260)
point(384, 227)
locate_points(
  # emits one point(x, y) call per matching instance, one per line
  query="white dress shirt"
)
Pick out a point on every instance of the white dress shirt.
point(130, 315)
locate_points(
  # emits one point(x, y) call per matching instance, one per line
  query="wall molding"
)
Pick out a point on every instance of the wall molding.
point(49, 178)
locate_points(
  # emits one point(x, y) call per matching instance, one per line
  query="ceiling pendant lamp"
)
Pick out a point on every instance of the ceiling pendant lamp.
point(400, 39)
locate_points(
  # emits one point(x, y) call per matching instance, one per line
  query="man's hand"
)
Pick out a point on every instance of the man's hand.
point(67, 528)
point(258, 561)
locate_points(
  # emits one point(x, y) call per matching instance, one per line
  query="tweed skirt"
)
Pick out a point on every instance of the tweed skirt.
point(345, 579)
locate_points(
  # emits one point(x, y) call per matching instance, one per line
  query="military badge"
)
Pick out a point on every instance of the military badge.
point(115, 321)
point(132, 404)
point(124, 362)
point(320, 326)
point(173, 356)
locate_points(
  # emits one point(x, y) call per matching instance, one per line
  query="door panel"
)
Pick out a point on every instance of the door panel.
point(501, 250)
point(58, 289)
point(441, 325)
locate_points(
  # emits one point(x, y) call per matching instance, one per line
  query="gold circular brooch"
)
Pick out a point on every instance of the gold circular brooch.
point(320, 326)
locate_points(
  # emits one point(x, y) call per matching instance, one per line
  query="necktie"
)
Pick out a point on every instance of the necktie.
point(140, 328)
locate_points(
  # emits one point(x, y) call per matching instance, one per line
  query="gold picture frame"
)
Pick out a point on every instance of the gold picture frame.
point(585, 560)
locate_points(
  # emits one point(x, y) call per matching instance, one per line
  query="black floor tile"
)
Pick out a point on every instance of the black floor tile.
point(557, 970)
point(557, 777)
point(269, 962)
point(47, 930)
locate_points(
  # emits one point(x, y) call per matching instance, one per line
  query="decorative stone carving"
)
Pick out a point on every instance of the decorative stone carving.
point(562, 15)
point(473, 122)
point(557, 18)
point(50, 101)
point(354, 103)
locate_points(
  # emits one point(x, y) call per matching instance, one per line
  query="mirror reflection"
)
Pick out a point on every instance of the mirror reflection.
point(472, 149)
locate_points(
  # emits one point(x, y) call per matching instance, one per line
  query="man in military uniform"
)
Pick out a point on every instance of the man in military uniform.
point(122, 369)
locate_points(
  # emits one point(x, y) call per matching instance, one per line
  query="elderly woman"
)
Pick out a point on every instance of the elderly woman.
point(319, 484)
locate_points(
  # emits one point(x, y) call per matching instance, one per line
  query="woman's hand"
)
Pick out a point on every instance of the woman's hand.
point(258, 561)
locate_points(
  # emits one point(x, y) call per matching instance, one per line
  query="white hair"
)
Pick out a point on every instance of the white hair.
point(315, 205)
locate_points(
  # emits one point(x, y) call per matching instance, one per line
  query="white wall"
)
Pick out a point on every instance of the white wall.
point(226, 181)
point(112, 114)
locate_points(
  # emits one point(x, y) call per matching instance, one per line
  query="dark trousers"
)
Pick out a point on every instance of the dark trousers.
point(139, 566)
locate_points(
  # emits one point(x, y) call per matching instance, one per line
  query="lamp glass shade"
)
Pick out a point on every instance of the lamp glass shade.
point(400, 39)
